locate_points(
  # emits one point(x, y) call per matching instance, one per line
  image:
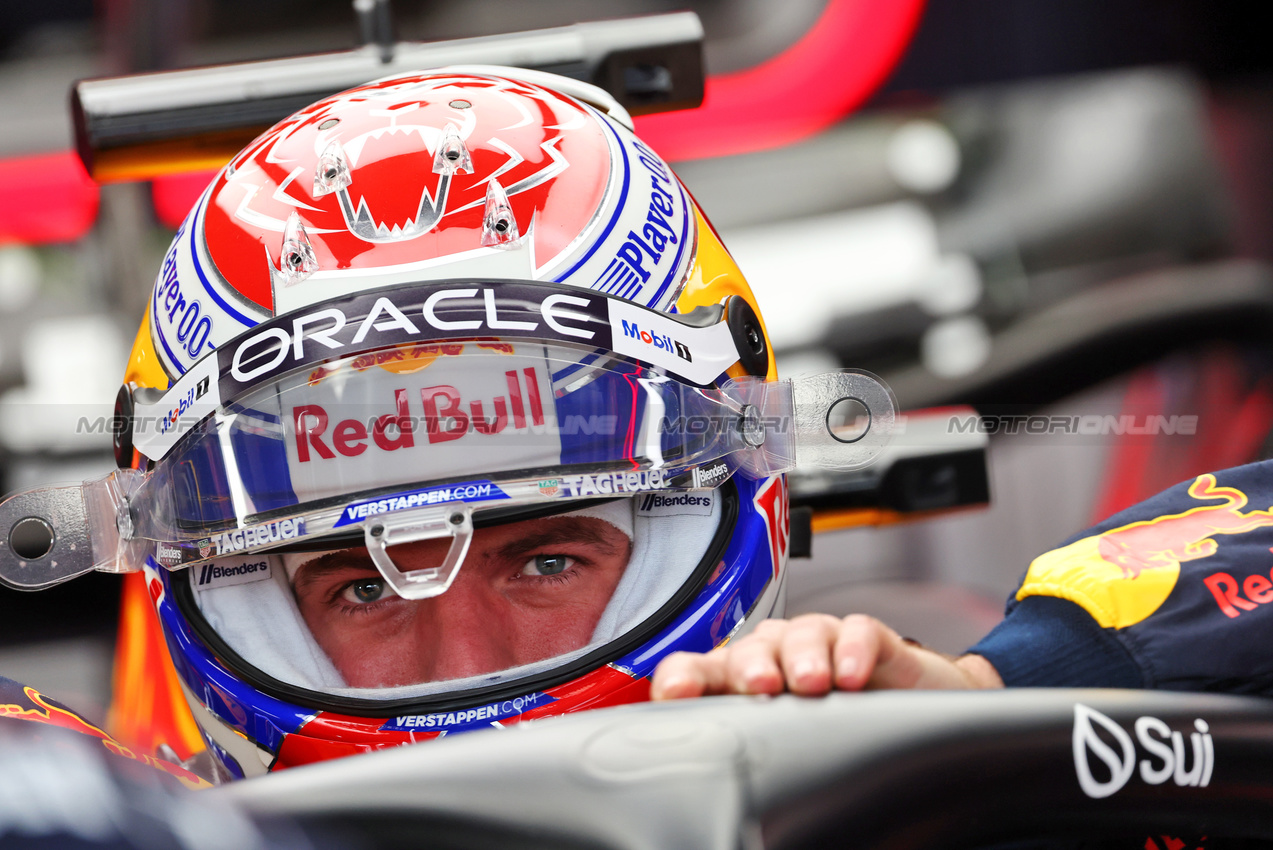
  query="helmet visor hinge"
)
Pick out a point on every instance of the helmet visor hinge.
point(122, 427)
point(749, 336)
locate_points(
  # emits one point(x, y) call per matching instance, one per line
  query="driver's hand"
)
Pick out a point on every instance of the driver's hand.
point(813, 654)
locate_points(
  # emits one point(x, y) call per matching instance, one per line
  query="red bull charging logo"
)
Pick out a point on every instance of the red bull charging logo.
point(43, 710)
point(1124, 575)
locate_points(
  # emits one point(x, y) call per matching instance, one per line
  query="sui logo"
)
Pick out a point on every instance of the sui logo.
point(1169, 756)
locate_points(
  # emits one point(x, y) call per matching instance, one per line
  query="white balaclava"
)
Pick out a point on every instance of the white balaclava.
point(261, 622)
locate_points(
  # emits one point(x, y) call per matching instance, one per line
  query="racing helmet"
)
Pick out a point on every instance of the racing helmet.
point(449, 410)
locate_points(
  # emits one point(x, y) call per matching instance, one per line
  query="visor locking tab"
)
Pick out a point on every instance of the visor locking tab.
point(454, 520)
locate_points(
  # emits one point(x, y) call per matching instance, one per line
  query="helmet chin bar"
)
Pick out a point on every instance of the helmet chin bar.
point(454, 519)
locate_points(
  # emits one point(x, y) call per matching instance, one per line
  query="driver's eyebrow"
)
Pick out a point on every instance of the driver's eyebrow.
point(331, 562)
point(557, 534)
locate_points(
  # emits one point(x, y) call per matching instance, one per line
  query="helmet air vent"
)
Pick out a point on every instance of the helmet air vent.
point(297, 260)
point(452, 155)
point(499, 227)
point(332, 173)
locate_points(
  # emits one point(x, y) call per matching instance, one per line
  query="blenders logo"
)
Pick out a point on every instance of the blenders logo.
point(469, 491)
point(446, 418)
point(1187, 762)
point(685, 503)
point(710, 476)
point(659, 341)
point(168, 555)
point(258, 535)
point(222, 575)
point(642, 252)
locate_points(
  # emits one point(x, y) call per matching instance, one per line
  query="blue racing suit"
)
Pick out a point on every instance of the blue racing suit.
point(1173, 593)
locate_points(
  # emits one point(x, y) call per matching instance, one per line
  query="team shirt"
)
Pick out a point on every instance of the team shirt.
point(1175, 593)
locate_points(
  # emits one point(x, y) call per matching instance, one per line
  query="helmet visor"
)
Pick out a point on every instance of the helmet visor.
point(480, 422)
point(277, 440)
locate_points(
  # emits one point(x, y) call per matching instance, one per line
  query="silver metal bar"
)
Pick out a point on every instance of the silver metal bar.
point(139, 125)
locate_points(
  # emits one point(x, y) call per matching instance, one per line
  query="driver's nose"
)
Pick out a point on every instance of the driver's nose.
point(464, 632)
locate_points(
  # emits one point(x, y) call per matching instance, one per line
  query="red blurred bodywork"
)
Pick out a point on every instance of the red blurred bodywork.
point(824, 76)
point(47, 198)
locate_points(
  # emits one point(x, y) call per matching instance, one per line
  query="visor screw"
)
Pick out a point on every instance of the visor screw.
point(331, 173)
point(453, 155)
point(754, 341)
point(377, 530)
point(501, 226)
point(457, 518)
point(750, 426)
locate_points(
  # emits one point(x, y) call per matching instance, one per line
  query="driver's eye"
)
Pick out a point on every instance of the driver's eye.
point(546, 565)
point(366, 590)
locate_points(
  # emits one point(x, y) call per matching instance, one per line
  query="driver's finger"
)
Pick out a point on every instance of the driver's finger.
point(683, 675)
point(752, 661)
point(805, 653)
point(856, 650)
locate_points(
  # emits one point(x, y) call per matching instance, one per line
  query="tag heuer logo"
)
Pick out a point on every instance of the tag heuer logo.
point(549, 487)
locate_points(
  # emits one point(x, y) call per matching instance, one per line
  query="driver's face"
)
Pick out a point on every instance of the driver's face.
point(527, 591)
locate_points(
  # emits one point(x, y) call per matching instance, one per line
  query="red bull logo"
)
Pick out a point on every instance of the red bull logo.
point(1124, 575)
point(400, 359)
point(48, 712)
point(444, 420)
point(1170, 540)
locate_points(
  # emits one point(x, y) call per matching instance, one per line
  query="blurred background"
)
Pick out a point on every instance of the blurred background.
point(1039, 208)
